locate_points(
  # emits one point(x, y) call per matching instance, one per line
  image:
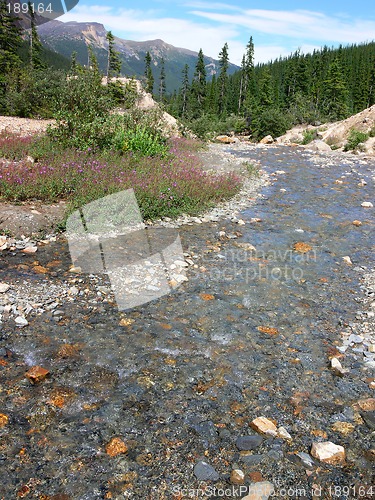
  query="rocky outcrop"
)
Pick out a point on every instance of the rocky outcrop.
point(334, 135)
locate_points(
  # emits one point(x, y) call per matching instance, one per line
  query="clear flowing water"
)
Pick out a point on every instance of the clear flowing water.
point(180, 378)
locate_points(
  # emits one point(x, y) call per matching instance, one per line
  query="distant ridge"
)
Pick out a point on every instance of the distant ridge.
point(66, 38)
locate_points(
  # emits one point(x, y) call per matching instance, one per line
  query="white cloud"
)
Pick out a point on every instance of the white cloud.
point(302, 24)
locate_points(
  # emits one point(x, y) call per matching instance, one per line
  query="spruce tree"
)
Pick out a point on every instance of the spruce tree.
point(113, 59)
point(36, 46)
point(162, 85)
point(198, 86)
point(223, 80)
point(148, 74)
point(185, 90)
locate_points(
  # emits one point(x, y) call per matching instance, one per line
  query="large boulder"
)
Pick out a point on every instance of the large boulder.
point(267, 140)
point(318, 145)
point(226, 139)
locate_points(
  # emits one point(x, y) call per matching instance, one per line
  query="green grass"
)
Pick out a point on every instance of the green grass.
point(164, 184)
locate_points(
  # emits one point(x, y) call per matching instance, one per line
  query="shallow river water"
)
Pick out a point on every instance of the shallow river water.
point(179, 379)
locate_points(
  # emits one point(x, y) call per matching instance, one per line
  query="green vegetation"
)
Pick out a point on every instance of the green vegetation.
point(327, 85)
point(164, 186)
point(355, 138)
point(309, 135)
point(91, 150)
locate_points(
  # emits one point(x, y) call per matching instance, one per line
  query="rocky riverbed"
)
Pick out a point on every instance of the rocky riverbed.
point(252, 379)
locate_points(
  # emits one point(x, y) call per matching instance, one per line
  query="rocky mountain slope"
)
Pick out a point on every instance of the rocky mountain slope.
point(66, 38)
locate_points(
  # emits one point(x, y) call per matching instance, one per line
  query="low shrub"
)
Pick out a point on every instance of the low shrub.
point(355, 138)
point(309, 135)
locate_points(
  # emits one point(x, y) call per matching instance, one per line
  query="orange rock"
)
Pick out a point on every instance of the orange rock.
point(264, 426)
point(40, 269)
point(115, 447)
point(302, 247)
point(126, 322)
point(256, 477)
point(367, 404)
point(357, 223)
point(36, 374)
point(4, 419)
point(206, 296)
point(268, 330)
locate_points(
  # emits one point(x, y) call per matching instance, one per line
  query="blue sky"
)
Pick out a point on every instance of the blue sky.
point(278, 28)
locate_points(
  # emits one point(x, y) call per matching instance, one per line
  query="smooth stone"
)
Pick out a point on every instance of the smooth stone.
point(203, 471)
point(246, 443)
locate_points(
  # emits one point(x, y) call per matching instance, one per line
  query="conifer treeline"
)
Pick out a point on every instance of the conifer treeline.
point(329, 84)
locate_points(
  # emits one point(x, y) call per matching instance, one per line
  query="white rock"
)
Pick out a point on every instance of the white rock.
point(283, 434)
point(181, 263)
point(337, 367)
point(4, 287)
point(20, 321)
point(347, 259)
point(328, 452)
point(367, 204)
point(280, 172)
point(241, 222)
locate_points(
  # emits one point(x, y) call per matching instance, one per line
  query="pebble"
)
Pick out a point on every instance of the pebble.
point(328, 452)
point(343, 428)
point(347, 259)
point(260, 491)
point(337, 367)
point(36, 374)
point(21, 321)
point(306, 459)
point(249, 442)
point(284, 434)
point(264, 426)
point(237, 476)
point(203, 471)
point(4, 287)
point(357, 339)
point(367, 204)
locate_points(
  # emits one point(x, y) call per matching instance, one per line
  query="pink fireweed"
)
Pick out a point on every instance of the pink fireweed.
point(164, 187)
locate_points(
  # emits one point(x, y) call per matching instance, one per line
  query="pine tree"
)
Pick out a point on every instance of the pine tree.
point(248, 93)
point(198, 86)
point(162, 85)
point(148, 74)
point(185, 90)
point(36, 46)
point(73, 64)
point(113, 59)
point(223, 80)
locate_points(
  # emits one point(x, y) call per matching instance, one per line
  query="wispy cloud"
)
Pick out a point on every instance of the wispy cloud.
point(301, 24)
